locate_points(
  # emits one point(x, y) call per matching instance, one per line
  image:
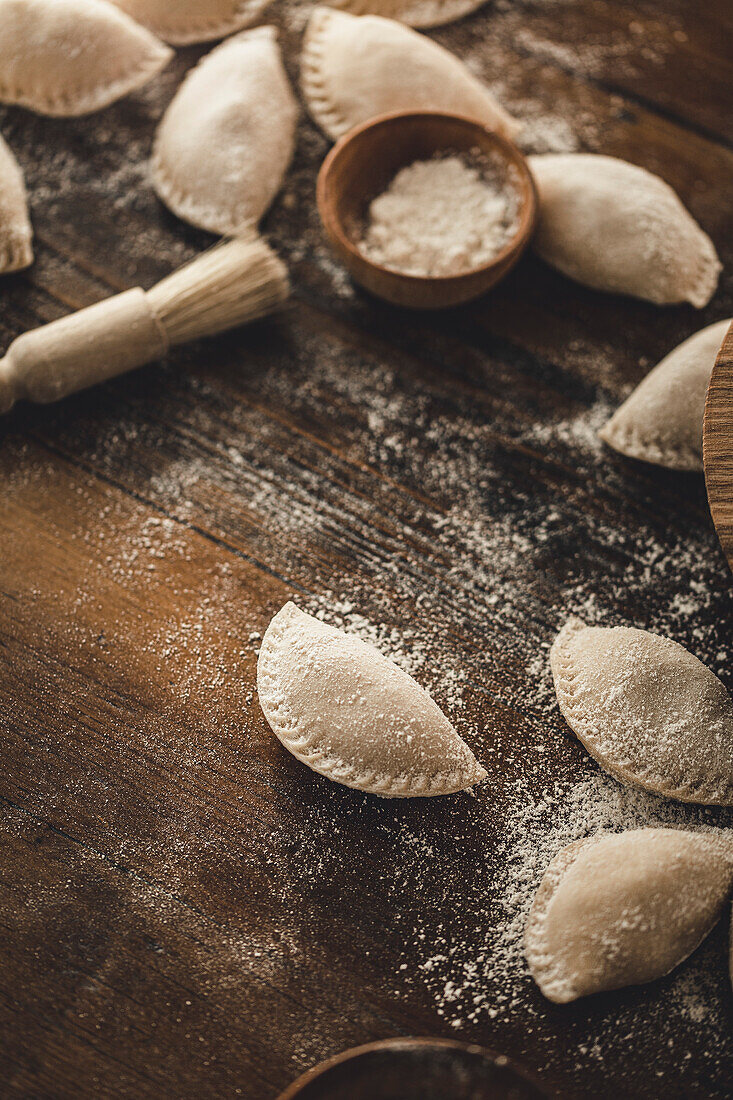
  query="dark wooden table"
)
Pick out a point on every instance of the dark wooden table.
point(186, 911)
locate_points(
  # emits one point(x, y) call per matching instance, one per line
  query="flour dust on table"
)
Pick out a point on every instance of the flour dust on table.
point(436, 488)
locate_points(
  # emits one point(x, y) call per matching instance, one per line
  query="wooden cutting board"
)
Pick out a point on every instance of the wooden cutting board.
point(717, 444)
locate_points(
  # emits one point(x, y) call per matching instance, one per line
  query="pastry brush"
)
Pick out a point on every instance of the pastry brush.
point(234, 282)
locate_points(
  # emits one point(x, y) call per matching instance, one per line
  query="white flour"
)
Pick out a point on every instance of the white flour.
point(441, 217)
point(459, 571)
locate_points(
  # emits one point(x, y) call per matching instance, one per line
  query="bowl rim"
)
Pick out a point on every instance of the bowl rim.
point(529, 212)
point(409, 1042)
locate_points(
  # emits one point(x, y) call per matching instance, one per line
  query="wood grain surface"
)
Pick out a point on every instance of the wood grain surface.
point(186, 911)
point(718, 445)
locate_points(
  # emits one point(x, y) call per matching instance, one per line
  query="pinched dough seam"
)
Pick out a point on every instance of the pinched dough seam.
point(410, 10)
point(311, 79)
point(544, 969)
point(82, 100)
point(16, 253)
point(555, 985)
point(706, 275)
point(320, 103)
point(333, 767)
point(243, 14)
point(708, 792)
point(186, 206)
point(698, 286)
point(182, 203)
point(632, 444)
point(453, 11)
point(698, 291)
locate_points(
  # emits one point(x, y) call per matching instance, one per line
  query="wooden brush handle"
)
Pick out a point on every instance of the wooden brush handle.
point(105, 339)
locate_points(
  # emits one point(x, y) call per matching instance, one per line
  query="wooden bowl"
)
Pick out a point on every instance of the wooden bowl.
point(363, 163)
point(415, 1069)
point(717, 445)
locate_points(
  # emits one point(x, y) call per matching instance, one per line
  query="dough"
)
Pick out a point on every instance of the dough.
point(70, 57)
point(622, 909)
point(184, 21)
point(15, 227)
point(418, 13)
point(227, 138)
point(353, 69)
point(350, 713)
point(661, 421)
point(616, 227)
point(647, 710)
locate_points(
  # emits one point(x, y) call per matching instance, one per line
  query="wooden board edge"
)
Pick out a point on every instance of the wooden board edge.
point(717, 444)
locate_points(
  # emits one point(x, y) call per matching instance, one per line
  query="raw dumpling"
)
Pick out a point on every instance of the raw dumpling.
point(355, 68)
point(617, 910)
point(418, 13)
point(661, 421)
point(224, 143)
point(185, 21)
point(350, 713)
point(616, 227)
point(15, 226)
point(69, 57)
point(647, 710)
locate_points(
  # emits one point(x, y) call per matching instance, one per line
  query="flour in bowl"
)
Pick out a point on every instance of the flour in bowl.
point(443, 217)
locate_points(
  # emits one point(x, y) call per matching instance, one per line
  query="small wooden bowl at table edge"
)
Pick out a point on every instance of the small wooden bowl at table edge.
point(363, 163)
point(416, 1069)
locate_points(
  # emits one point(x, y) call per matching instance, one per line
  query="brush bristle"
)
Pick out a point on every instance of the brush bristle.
point(233, 283)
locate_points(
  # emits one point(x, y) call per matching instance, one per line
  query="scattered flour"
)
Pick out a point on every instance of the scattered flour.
point(442, 217)
point(461, 568)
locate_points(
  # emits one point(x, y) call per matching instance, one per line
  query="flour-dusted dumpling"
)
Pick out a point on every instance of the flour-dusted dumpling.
point(616, 227)
point(647, 710)
point(15, 227)
point(623, 909)
point(418, 13)
point(661, 421)
point(69, 57)
point(185, 21)
point(226, 139)
point(354, 68)
point(350, 713)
